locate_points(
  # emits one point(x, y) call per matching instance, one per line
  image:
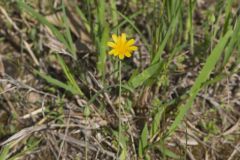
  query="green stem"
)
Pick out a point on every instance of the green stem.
point(186, 136)
point(119, 102)
point(86, 143)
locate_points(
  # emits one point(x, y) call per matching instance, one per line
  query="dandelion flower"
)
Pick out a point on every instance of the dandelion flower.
point(122, 47)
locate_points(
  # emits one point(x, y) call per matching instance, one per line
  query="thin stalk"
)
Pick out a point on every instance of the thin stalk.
point(86, 142)
point(186, 143)
point(119, 107)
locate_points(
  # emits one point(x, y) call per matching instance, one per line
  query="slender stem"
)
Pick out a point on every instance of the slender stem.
point(186, 136)
point(86, 142)
point(119, 102)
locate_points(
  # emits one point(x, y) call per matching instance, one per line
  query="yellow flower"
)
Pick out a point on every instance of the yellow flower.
point(121, 47)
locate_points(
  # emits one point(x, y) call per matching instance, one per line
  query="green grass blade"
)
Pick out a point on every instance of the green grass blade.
point(69, 76)
point(202, 77)
point(165, 151)
point(4, 152)
point(68, 35)
point(143, 141)
point(102, 36)
point(228, 15)
point(57, 83)
point(139, 79)
point(189, 27)
point(123, 143)
point(125, 21)
point(156, 120)
point(102, 51)
point(123, 155)
point(169, 34)
point(84, 19)
point(114, 14)
point(233, 41)
point(135, 28)
point(44, 21)
point(165, 40)
point(101, 12)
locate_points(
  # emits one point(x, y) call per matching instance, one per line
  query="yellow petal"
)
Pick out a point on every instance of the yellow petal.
point(133, 48)
point(115, 38)
point(124, 36)
point(121, 56)
point(113, 51)
point(128, 54)
point(130, 42)
point(111, 44)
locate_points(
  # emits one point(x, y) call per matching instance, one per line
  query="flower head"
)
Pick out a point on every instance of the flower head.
point(121, 47)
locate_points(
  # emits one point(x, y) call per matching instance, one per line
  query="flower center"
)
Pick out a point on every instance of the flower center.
point(122, 47)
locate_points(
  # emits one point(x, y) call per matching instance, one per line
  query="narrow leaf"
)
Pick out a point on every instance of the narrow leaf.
point(203, 76)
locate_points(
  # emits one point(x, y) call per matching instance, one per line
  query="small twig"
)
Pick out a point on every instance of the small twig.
point(40, 110)
point(31, 53)
point(23, 133)
point(27, 46)
point(236, 150)
point(189, 154)
point(232, 129)
point(65, 134)
point(217, 106)
point(108, 100)
point(82, 144)
point(30, 130)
